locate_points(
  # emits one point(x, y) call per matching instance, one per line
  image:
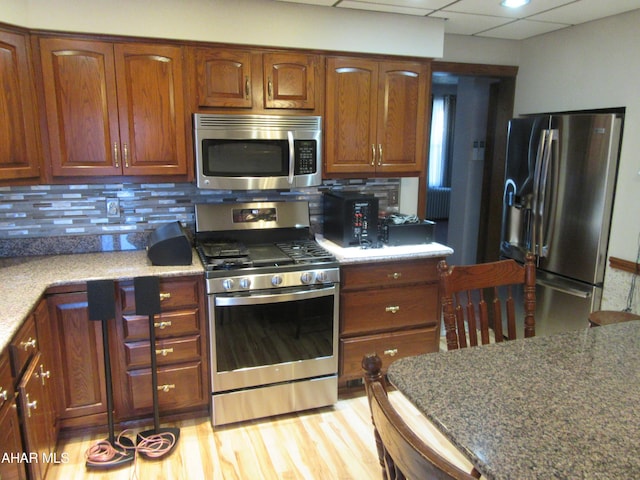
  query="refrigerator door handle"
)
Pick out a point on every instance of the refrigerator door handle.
point(541, 208)
point(568, 290)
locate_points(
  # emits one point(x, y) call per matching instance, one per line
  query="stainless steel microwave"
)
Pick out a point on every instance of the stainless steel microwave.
point(257, 152)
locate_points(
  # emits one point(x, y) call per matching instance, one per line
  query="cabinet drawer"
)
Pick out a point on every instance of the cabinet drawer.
point(178, 387)
point(388, 309)
point(6, 383)
point(389, 273)
point(389, 347)
point(176, 350)
point(170, 324)
point(174, 293)
point(23, 346)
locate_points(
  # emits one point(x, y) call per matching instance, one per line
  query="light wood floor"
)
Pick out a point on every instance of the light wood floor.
point(333, 442)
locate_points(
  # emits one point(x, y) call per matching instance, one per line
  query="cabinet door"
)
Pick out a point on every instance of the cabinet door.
point(80, 358)
point(151, 109)
point(33, 410)
point(350, 116)
point(81, 107)
point(402, 114)
point(10, 443)
point(289, 80)
point(18, 124)
point(223, 77)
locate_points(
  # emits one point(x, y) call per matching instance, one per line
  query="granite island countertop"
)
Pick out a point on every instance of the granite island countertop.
point(24, 280)
point(562, 406)
point(346, 255)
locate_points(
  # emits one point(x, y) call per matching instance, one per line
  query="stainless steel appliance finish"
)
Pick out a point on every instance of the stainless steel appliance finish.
point(558, 196)
point(257, 152)
point(273, 298)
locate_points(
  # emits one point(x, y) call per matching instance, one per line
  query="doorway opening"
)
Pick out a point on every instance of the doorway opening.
point(471, 107)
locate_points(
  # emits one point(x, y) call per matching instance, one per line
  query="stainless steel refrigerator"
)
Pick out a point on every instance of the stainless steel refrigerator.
point(558, 195)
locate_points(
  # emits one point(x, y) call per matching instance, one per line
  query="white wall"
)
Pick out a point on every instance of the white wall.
point(594, 65)
point(13, 12)
point(248, 22)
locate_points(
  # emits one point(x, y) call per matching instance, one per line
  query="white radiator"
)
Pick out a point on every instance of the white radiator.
point(438, 199)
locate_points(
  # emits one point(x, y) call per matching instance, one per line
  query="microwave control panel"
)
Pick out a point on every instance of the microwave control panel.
point(305, 159)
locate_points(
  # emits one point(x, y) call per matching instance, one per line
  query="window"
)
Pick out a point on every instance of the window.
point(443, 110)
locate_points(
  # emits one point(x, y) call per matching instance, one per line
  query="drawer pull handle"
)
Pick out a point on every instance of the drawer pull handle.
point(31, 343)
point(4, 395)
point(165, 296)
point(162, 325)
point(43, 374)
point(166, 387)
point(31, 405)
point(392, 352)
point(164, 351)
point(395, 275)
point(392, 309)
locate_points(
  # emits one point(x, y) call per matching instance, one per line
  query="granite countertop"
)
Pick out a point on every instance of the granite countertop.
point(346, 255)
point(563, 406)
point(25, 279)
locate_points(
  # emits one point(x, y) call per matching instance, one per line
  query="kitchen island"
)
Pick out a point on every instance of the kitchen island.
point(562, 406)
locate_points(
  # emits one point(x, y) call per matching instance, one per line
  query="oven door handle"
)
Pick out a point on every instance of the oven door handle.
point(257, 299)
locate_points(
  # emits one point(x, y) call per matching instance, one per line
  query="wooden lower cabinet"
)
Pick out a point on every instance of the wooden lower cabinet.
point(389, 308)
point(181, 351)
point(10, 437)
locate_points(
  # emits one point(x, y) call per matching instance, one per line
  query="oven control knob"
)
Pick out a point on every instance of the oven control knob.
point(227, 284)
point(245, 283)
point(321, 276)
point(276, 280)
point(307, 278)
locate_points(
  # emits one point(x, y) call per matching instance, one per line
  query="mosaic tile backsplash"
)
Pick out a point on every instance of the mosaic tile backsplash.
point(58, 219)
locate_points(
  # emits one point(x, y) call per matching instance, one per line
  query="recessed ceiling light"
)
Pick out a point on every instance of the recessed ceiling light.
point(514, 3)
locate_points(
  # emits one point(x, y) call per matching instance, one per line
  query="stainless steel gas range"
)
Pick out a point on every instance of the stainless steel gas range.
point(272, 308)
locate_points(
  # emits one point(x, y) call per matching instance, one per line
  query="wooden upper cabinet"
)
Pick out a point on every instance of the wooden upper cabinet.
point(113, 109)
point(19, 157)
point(223, 77)
point(289, 80)
point(376, 117)
point(228, 78)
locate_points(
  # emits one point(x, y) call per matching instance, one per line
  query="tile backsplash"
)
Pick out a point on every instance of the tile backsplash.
point(55, 219)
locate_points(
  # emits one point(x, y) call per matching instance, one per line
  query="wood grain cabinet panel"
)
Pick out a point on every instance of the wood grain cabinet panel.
point(376, 116)
point(255, 80)
point(113, 109)
point(391, 308)
point(19, 147)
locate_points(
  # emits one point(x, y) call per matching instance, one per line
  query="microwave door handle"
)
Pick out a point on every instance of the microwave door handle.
point(292, 156)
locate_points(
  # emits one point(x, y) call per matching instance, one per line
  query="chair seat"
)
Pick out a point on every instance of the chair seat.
point(609, 317)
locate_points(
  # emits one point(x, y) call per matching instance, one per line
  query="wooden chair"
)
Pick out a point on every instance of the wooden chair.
point(402, 454)
point(471, 300)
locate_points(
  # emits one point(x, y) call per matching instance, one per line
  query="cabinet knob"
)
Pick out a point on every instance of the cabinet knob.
point(392, 352)
point(379, 154)
point(247, 89)
point(394, 275)
point(270, 89)
point(373, 155)
point(31, 405)
point(31, 343)
point(125, 154)
point(4, 395)
point(392, 309)
point(165, 296)
point(164, 351)
point(115, 154)
point(42, 374)
point(162, 325)
point(166, 387)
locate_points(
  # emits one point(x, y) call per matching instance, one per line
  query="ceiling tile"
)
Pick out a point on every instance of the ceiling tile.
point(587, 10)
point(493, 7)
point(379, 7)
point(467, 24)
point(424, 4)
point(521, 29)
point(324, 3)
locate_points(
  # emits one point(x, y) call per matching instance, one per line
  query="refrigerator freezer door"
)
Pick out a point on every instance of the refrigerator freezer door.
point(580, 196)
point(562, 305)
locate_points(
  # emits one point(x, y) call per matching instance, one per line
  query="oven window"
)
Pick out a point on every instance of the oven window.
point(245, 158)
point(267, 334)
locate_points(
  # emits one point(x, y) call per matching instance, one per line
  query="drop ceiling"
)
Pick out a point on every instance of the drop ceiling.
point(487, 18)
